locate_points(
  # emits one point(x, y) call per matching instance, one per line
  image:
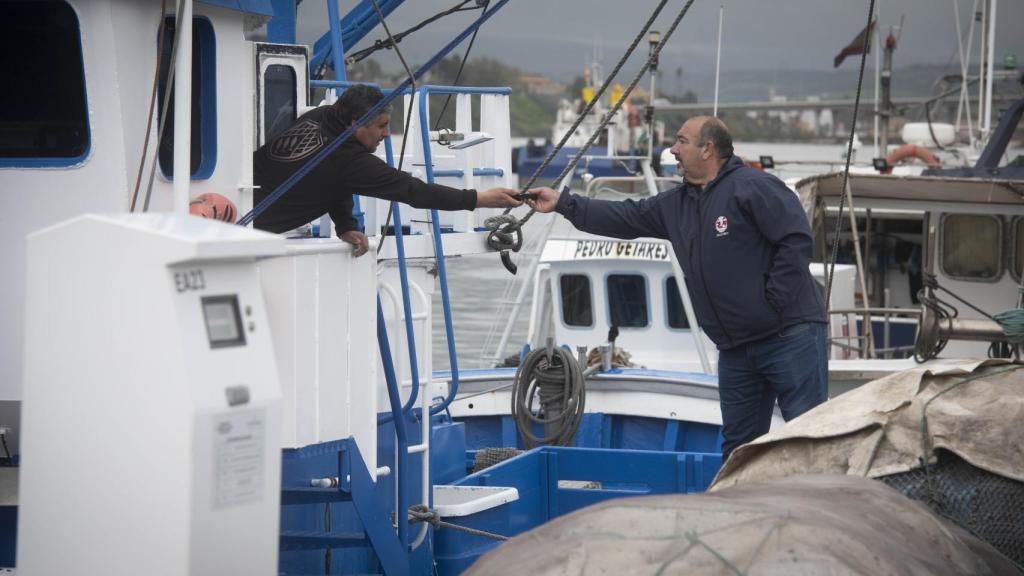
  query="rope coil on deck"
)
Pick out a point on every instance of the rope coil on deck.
point(556, 380)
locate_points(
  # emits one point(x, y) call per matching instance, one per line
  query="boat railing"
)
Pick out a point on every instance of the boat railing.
point(854, 341)
point(602, 183)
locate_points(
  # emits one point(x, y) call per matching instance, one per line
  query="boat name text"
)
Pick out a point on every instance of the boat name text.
point(614, 249)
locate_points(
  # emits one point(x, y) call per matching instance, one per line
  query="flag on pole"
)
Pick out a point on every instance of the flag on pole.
point(857, 45)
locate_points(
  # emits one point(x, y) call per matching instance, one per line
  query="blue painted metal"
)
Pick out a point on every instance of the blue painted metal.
point(8, 535)
point(399, 419)
point(304, 535)
point(599, 430)
point(338, 60)
point(488, 172)
point(536, 475)
point(529, 158)
point(354, 27)
point(337, 47)
point(370, 114)
point(259, 7)
point(447, 451)
point(281, 29)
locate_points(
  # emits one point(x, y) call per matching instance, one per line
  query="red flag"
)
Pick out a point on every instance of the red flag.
point(857, 46)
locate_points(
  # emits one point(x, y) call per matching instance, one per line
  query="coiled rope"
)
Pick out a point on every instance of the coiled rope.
point(556, 380)
point(512, 228)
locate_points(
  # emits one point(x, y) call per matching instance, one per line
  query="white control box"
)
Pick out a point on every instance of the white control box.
point(151, 412)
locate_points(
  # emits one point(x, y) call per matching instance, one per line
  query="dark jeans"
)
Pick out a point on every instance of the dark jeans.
point(791, 367)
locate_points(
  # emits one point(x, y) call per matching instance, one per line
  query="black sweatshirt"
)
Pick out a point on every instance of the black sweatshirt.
point(328, 188)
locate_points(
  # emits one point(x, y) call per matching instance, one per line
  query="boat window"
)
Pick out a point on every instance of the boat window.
point(627, 300)
point(43, 110)
point(204, 101)
point(279, 107)
point(971, 246)
point(674, 305)
point(577, 304)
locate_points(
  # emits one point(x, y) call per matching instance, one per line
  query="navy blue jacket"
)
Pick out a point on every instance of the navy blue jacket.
point(743, 242)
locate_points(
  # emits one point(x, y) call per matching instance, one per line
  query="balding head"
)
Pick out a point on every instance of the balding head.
point(703, 144)
point(713, 130)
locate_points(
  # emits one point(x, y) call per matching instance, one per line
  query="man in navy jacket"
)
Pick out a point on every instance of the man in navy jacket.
point(744, 244)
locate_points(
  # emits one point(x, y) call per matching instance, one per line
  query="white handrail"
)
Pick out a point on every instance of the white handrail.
point(182, 172)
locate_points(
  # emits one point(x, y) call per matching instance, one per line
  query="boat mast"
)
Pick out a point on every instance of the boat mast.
point(886, 112)
point(183, 110)
point(990, 53)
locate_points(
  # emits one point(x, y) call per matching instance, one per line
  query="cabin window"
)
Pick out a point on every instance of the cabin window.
point(44, 118)
point(204, 100)
point(1018, 248)
point(674, 305)
point(577, 303)
point(971, 246)
point(627, 300)
point(279, 106)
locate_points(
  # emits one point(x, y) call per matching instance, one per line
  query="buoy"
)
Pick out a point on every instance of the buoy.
point(910, 151)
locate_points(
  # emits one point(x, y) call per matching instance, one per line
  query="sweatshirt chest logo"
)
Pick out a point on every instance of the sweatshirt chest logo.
point(297, 142)
point(721, 226)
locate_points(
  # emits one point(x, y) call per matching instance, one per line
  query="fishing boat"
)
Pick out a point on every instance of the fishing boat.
point(214, 390)
point(621, 145)
point(184, 395)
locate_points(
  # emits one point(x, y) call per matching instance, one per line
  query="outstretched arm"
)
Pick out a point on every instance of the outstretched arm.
point(626, 219)
point(371, 176)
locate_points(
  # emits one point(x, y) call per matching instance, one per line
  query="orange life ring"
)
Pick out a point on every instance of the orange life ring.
point(910, 151)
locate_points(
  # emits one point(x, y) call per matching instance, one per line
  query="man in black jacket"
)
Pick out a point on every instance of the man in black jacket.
point(744, 244)
point(351, 169)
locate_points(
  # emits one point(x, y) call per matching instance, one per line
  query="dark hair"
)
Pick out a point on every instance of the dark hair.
point(357, 100)
point(715, 130)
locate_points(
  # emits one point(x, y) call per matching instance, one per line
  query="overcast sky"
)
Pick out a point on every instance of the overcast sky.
point(558, 37)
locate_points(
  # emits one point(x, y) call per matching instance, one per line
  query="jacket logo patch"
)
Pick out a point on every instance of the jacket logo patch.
point(722, 226)
point(297, 142)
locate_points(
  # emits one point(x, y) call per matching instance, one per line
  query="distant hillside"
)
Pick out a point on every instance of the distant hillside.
point(533, 114)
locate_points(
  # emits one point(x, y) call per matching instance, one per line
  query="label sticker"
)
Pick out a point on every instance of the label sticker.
point(238, 458)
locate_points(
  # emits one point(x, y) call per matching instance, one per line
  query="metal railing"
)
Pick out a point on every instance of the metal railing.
point(856, 342)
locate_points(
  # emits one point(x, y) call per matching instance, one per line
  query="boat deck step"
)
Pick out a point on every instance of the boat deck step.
point(314, 540)
point(310, 495)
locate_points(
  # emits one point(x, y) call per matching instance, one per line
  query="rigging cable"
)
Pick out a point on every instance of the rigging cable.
point(408, 115)
point(168, 89)
point(506, 229)
point(458, 75)
point(849, 156)
point(392, 41)
point(152, 103)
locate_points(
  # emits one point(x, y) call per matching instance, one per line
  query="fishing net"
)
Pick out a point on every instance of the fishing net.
point(985, 504)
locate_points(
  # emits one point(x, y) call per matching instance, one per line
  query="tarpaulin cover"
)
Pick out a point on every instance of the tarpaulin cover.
point(974, 410)
point(802, 525)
